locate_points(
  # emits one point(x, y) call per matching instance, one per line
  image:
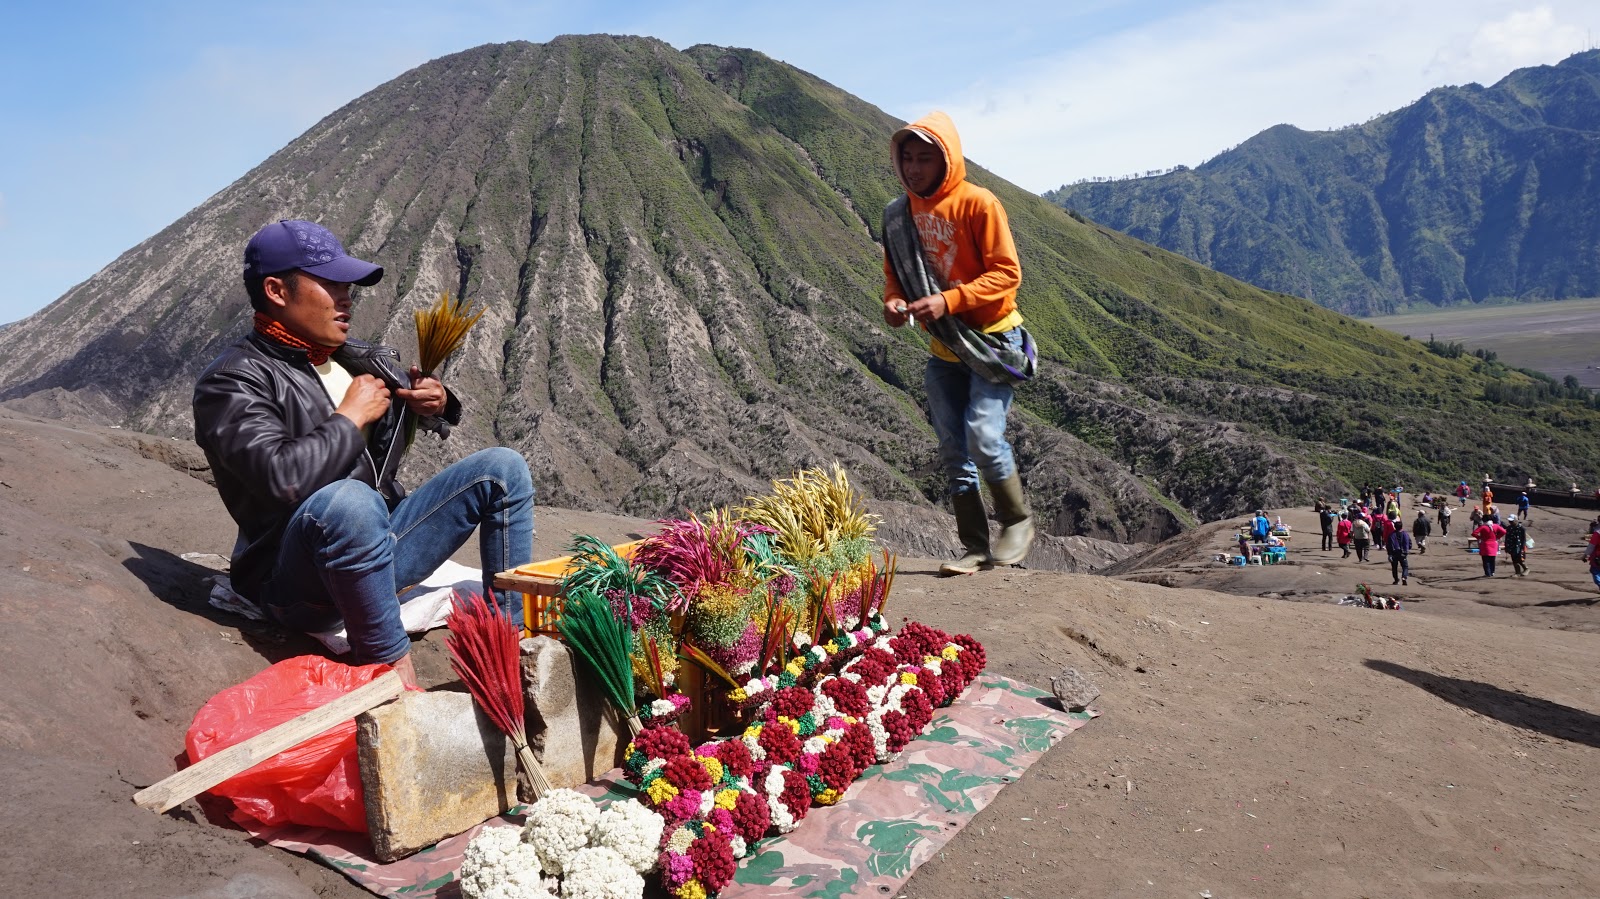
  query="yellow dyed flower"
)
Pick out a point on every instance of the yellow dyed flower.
point(691, 889)
point(828, 797)
point(793, 724)
point(662, 792)
point(907, 677)
point(950, 652)
point(713, 767)
point(727, 799)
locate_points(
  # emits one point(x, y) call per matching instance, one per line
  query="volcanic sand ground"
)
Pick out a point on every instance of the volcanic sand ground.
point(1256, 739)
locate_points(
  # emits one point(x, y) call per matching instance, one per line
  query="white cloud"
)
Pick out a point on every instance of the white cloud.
point(1181, 89)
point(1521, 38)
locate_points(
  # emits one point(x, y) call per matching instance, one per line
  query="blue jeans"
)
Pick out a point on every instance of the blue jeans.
point(346, 555)
point(969, 418)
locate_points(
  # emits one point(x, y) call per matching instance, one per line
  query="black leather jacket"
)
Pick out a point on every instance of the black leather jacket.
point(267, 427)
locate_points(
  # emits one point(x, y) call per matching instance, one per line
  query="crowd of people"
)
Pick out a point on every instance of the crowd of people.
point(1374, 520)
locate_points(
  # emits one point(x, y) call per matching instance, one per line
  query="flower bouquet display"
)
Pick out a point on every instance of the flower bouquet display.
point(805, 751)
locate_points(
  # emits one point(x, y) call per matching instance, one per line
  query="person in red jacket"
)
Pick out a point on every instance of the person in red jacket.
point(1341, 533)
point(967, 244)
point(1488, 534)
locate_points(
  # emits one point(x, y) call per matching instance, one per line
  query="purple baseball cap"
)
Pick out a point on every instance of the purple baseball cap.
point(291, 244)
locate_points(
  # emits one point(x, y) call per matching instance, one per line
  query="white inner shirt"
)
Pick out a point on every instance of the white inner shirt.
point(337, 382)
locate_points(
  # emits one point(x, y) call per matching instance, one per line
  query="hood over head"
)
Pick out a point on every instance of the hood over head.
point(937, 128)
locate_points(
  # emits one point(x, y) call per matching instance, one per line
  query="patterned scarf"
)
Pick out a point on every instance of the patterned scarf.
point(271, 330)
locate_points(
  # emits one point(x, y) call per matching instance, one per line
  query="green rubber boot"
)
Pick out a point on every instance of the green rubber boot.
point(1016, 521)
point(972, 526)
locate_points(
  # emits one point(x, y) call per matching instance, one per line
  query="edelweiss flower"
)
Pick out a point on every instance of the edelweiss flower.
point(632, 831)
point(600, 873)
point(559, 825)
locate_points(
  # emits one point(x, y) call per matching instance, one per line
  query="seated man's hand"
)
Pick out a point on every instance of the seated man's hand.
point(426, 397)
point(365, 402)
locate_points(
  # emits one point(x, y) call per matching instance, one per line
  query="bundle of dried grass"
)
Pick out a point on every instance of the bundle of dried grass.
point(441, 330)
point(810, 512)
point(484, 653)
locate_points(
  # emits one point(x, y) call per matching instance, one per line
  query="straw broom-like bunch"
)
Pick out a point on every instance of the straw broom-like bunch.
point(483, 645)
point(604, 643)
point(441, 330)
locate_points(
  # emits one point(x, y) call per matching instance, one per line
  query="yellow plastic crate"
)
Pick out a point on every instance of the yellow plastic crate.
point(538, 582)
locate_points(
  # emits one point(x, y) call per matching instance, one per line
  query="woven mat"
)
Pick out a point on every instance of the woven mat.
point(894, 818)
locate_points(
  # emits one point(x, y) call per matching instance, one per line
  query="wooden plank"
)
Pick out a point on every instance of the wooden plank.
point(240, 757)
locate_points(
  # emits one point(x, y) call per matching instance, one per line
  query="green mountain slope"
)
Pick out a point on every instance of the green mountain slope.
point(677, 255)
point(1471, 194)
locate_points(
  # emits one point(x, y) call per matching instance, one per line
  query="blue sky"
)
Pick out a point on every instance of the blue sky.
point(121, 117)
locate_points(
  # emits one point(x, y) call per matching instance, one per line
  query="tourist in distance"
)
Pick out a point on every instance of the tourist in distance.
point(1517, 544)
point(1488, 535)
point(1341, 533)
point(1420, 530)
point(1591, 553)
point(1398, 544)
point(1260, 526)
point(966, 245)
point(305, 429)
point(1361, 536)
point(1444, 519)
point(1326, 518)
point(1523, 506)
point(1463, 492)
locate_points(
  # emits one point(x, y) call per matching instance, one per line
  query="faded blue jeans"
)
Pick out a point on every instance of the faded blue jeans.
point(969, 418)
point(345, 554)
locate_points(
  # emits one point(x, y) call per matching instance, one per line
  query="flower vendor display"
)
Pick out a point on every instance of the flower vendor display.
point(767, 627)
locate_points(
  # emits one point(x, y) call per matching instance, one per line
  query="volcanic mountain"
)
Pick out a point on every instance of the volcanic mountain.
point(1471, 193)
point(677, 256)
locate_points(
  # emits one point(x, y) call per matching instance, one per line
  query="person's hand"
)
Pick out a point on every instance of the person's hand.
point(894, 312)
point(930, 308)
point(407, 671)
point(426, 397)
point(365, 402)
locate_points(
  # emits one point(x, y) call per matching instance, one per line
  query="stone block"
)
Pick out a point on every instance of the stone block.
point(573, 732)
point(432, 765)
point(1074, 690)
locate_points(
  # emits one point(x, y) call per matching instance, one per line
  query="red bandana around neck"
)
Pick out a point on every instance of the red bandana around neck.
point(315, 354)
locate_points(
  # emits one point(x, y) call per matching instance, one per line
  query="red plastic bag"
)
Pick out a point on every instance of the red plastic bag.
point(318, 782)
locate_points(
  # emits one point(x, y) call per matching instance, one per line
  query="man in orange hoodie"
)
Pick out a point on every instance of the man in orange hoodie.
point(967, 245)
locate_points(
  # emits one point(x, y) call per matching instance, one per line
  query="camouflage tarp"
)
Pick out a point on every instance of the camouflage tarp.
point(894, 818)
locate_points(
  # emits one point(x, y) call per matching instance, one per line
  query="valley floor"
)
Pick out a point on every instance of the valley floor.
point(1556, 337)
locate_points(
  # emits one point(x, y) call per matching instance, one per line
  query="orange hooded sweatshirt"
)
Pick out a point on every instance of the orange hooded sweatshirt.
point(966, 239)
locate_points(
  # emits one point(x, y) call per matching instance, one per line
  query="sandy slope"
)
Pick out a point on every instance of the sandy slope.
point(1249, 746)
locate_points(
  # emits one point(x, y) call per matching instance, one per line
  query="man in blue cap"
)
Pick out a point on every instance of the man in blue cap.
point(305, 429)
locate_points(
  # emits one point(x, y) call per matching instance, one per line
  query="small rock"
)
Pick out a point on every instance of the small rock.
point(1074, 690)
